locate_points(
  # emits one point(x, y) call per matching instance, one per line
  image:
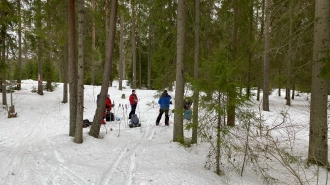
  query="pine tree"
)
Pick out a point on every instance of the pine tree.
point(318, 134)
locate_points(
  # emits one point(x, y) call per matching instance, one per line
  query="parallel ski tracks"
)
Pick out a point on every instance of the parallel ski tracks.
point(122, 170)
point(16, 160)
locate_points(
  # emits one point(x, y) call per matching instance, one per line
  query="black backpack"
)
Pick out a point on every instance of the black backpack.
point(86, 123)
point(110, 116)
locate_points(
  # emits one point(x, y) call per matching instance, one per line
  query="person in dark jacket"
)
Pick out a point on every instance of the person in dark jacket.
point(133, 100)
point(164, 102)
point(187, 104)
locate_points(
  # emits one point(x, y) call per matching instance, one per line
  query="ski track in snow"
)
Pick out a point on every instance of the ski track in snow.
point(16, 159)
point(122, 170)
point(22, 142)
point(33, 148)
point(125, 164)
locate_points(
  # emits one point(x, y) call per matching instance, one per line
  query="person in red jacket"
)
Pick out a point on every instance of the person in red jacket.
point(133, 101)
point(108, 107)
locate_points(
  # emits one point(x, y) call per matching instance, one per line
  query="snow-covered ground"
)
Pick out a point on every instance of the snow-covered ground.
point(35, 147)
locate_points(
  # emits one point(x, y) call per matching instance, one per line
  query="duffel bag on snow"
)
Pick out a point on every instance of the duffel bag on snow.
point(187, 115)
point(134, 121)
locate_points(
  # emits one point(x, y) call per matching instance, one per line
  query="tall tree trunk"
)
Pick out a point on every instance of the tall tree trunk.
point(279, 80)
point(218, 144)
point(78, 138)
point(95, 129)
point(179, 91)
point(250, 52)
point(107, 33)
point(140, 67)
point(258, 89)
point(231, 92)
point(121, 60)
point(293, 88)
point(65, 73)
point(48, 71)
point(93, 47)
point(150, 54)
point(106, 18)
point(318, 133)
point(262, 22)
point(3, 61)
point(39, 48)
point(72, 65)
point(265, 98)
point(65, 64)
point(289, 61)
point(133, 45)
point(196, 69)
point(19, 33)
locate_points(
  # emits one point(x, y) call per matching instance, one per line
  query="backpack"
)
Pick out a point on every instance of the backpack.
point(187, 115)
point(134, 121)
point(86, 123)
point(110, 116)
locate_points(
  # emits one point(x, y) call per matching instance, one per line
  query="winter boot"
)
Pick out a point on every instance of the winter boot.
point(166, 120)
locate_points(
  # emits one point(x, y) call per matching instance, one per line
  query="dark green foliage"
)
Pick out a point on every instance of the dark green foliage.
point(301, 15)
point(215, 71)
point(3, 66)
point(30, 70)
point(49, 72)
point(156, 22)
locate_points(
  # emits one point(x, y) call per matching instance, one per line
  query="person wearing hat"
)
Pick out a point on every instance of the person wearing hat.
point(164, 102)
point(133, 100)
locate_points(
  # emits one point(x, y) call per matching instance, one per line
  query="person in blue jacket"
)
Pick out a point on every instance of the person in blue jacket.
point(164, 102)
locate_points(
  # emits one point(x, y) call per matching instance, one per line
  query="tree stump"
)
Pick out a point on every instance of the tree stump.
point(11, 112)
point(123, 96)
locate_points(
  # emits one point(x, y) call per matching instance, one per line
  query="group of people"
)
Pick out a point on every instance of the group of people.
point(108, 105)
point(164, 102)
